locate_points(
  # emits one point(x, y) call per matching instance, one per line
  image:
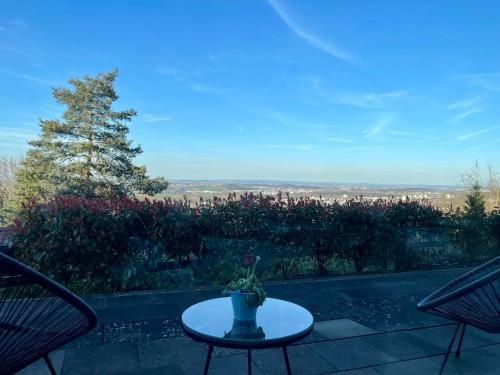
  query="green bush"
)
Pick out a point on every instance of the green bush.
point(96, 245)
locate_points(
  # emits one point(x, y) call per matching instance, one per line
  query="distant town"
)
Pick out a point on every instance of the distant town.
point(443, 197)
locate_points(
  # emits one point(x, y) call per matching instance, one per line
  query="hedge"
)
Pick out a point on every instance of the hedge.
point(95, 245)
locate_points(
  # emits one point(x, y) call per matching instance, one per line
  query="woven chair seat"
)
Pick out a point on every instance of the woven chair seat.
point(37, 316)
point(473, 298)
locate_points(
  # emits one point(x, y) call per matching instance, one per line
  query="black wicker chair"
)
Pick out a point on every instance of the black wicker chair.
point(472, 299)
point(37, 316)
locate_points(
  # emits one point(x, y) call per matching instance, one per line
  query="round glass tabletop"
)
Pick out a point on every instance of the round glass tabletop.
point(278, 323)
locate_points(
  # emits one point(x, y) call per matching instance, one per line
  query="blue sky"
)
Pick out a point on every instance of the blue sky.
point(346, 91)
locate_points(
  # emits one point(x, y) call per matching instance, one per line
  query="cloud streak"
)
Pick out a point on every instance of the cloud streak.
point(206, 89)
point(312, 39)
point(9, 134)
point(19, 52)
point(468, 107)
point(379, 126)
point(381, 129)
point(338, 140)
point(493, 141)
point(463, 115)
point(486, 81)
point(355, 99)
point(476, 133)
point(30, 78)
point(464, 104)
point(154, 119)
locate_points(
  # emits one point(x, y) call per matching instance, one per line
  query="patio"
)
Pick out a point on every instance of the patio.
point(364, 325)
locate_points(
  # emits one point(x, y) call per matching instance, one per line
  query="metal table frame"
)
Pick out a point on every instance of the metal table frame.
point(250, 345)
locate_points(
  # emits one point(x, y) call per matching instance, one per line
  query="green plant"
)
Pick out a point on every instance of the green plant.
point(86, 153)
point(249, 284)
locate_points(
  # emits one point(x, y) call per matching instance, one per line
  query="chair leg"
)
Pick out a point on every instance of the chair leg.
point(49, 364)
point(450, 346)
point(249, 360)
point(459, 349)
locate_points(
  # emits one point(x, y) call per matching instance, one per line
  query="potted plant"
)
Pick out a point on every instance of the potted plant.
point(246, 292)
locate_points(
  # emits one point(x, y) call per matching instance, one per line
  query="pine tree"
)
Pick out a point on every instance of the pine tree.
point(475, 204)
point(87, 153)
point(472, 232)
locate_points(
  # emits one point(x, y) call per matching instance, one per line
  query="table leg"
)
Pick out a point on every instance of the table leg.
point(249, 358)
point(209, 356)
point(287, 362)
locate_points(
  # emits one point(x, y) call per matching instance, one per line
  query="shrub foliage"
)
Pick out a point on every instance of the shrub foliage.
point(98, 245)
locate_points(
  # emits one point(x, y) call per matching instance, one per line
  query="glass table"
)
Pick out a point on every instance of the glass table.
point(278, 324)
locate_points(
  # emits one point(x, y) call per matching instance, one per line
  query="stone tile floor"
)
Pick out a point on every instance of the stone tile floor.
point(364, 325)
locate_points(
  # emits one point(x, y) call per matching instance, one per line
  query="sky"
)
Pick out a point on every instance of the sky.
point(341, 91)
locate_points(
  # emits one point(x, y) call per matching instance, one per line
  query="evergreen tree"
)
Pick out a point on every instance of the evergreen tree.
point(474, 204)
point(471, 229)
point(87, 153)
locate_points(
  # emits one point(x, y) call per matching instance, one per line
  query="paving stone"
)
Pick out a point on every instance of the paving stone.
point(103, 359)
point(235, 364)
point(314, 336)
point(173, 369)
point(40, 367)
point(340, 328)
point(351, 353)
point(441, 336)
point(403, 346)
point(157, 353)
point(413, 367)
point(303, 360)
point(494, 338)
point(93, 338)
point(221, 352)
point(189, 355)
point(481, 361)
point(362, 371)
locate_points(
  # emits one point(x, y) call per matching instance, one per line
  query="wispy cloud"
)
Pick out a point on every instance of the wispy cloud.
point(202, 88)
point(16, 135)
point(378, 127)
point(464, 103)
point(486, 81)
point(153, 119)
point(366, 100)
point(463, 115)
point(400, 133)
point(314, 40)
point(291, 122)
point(30, 78)
point(168, 71)
point(355, 99)
point(337, 140)
point(493, 141)
point(382, 128)
point(476, 133)
point(19, 52)
point(468, 106)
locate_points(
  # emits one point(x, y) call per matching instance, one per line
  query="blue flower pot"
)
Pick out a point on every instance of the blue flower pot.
point(244, 305)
